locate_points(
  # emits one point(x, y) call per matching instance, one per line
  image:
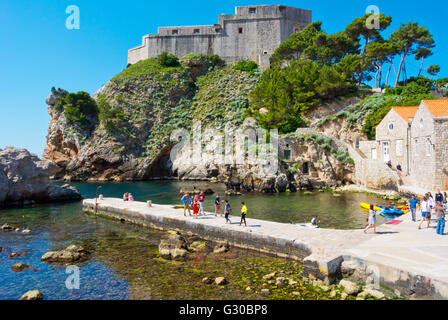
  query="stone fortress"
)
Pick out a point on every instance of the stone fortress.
point(252, 33)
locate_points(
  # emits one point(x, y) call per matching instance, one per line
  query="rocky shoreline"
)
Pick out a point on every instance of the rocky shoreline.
point(25, 180)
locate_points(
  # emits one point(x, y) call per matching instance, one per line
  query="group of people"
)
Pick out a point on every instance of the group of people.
point(428, 206)
point(128, 197)
point(196, 204)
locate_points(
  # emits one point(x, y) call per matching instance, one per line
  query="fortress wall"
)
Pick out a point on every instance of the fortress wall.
point(263, 29)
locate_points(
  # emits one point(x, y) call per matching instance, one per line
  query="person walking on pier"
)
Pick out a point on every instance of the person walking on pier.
point(201, 199)
point(218, 206)
point(413, 207)
point(227, 210)
point(243, 214)
point(371, 220)
point(195, 207)
point(426, 212)
point(186, 201)
point(440, 212)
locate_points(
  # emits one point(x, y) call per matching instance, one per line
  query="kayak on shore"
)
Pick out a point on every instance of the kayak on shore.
point(402, 209)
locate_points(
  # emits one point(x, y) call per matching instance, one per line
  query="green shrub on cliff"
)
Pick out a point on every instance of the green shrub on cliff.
point(247, 66)
point(80, 110)
point(381, 105)
point(110, 117)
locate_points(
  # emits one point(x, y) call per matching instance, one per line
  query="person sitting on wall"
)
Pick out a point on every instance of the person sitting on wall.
point(389, 164)
point(315, 222)
point(131, 197)
point(126, 197)
point(399, 167)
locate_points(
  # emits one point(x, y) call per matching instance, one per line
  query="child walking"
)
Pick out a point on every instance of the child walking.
point(195, 207)
point(243, 214)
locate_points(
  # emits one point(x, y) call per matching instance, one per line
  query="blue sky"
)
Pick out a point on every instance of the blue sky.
point(38, 51)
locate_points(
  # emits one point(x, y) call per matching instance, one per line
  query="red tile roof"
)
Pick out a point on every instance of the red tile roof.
point(406, 112)
point(438, 108)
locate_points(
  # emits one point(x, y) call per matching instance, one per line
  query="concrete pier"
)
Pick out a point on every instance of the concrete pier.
point(398, 257)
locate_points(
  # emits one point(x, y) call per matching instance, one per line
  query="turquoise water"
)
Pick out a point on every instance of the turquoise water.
point(57, 226)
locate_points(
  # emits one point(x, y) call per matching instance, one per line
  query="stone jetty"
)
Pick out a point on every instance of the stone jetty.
point(400, 257)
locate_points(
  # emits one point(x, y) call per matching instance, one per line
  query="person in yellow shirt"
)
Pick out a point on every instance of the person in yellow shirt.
point(243, 214)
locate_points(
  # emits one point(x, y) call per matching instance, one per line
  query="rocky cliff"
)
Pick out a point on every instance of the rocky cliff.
point(127, 137)
point(24, 178)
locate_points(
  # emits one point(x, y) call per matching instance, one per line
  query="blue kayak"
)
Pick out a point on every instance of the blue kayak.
point(391, 211)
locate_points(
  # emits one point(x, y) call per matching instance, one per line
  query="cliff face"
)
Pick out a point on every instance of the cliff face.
point(25, 178)
point(128, 137)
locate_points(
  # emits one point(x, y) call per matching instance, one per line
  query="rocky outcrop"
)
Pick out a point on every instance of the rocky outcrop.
point(32, 295)
point(24, 178)
point(69, 255)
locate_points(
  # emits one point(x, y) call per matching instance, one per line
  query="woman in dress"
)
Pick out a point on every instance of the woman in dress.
point(371, 220)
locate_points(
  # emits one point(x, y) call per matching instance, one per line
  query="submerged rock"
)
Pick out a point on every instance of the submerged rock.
point(207, 281)
point(222, 248)
point(350, 287)
point(6, 227)
point(173, 248)
point(366, 293)
point(71, 254)
point(19, 267)
point(221, 281)
point(25, 179)
point(32, 295)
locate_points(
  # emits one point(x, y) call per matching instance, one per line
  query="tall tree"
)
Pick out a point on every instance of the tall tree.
point(378, 53)
point(433, 69)
point(408, 39)
point(422, 54)
point(360, 28)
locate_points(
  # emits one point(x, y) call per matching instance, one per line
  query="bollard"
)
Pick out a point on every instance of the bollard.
point(149, 204)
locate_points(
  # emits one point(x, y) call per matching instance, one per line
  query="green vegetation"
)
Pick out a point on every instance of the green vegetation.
point(80, 110)
point(110, 117)
point(396, 97)
point(246, 65)
point(324, 143)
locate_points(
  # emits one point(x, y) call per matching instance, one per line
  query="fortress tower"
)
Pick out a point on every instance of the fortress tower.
point(253, 33)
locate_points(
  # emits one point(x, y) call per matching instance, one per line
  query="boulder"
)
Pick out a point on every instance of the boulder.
point(32, 295)
point(173, 248)
point(368, 292)
point(220, 281)
point(25, 178)
point(348, 268)
point(6, 227)
point(26, 231)
point(350, 287)
point(70, 254)
point(222, 248)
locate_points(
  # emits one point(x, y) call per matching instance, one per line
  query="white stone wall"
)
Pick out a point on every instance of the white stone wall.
point(399, 134)
point(441, 154)
point(423, 159)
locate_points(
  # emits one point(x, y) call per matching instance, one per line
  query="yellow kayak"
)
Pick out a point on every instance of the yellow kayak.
point(366, 206)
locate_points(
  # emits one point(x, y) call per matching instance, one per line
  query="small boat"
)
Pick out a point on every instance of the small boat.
point(366, 206)
point(392, 211)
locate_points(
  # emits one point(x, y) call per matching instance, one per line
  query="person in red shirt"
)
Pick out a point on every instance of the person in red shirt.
point(201, 199)
point(195, 204)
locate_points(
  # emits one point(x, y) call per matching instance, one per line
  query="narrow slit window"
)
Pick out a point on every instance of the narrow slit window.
point(252, 10)
point(240, 30)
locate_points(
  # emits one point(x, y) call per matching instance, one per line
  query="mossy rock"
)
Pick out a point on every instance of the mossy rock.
point(308, 193)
